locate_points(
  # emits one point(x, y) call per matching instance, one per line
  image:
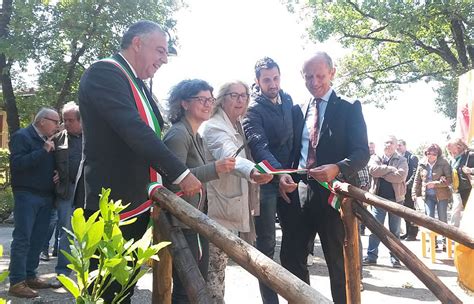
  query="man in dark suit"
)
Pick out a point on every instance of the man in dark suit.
point(32, 167)
point(120, 148)
point(331, 142)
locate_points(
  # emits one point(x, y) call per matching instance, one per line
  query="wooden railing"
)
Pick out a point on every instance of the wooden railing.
point(275, 276)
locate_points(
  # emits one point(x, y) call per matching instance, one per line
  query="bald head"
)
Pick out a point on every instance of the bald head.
point(318, 72)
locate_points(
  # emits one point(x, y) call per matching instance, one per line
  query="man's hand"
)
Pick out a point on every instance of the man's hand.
point(56, 177)
point(466, 170)
point(324, 173)
point(225, 165)
point(49, 145)
point(190, 185)
point(260, 178)
point(286, 185)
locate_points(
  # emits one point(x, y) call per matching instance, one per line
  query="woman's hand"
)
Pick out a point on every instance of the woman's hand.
point(225, 165)
point(260, 178)
point(430, 185)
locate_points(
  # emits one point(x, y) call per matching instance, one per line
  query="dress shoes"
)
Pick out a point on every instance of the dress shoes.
point(22, 290)
point(37, 283)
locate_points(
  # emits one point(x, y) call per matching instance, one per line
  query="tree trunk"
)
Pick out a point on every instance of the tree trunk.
point(7, 87)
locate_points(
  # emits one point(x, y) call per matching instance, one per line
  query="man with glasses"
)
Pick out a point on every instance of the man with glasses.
point(268, 128)
point(122, 125)
point(32, 169)
point(389, 172)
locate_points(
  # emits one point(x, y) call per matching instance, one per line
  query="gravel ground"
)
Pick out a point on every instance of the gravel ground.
point(382, 283)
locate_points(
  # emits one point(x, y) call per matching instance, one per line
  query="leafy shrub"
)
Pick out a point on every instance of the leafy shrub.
point(100, 238)
point(6, 202)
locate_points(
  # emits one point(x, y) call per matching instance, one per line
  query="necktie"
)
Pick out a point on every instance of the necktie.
point(313, 135)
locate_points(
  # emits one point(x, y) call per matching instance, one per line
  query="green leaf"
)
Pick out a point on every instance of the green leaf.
point(70, 285)
point(3, 275)
point(78, 224)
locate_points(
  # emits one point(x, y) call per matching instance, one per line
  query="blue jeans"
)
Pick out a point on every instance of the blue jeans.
point(265, 230)
point(65, 208)
point(431, 204)
point(32, 213)
point(394, 227)
point(53, 221)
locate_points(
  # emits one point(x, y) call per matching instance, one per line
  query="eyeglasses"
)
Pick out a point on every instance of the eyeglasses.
point(204, 100)
point(235, 96)
point(53, 120)
point(431, 153)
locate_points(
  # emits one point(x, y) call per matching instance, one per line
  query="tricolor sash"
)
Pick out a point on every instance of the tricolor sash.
point(146, 113)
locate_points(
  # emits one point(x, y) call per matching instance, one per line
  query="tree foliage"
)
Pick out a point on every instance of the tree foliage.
point(64, 37)
point(396, 42)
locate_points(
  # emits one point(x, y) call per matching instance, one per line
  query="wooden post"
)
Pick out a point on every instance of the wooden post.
point(273, 275)
point(184, 263)
point(351, 252)
point(407, 257)
point(411, 215)
point(162, 270)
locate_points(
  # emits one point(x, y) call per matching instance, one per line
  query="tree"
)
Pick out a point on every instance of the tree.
point(396, 42)
point(68, 35)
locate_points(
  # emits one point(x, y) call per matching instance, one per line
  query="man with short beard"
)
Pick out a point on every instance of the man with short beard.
point(268, 128)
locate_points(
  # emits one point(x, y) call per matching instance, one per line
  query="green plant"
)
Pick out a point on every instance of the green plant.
point(6, 202)
point(3, 275)
point(4, 168)
point(100, 237)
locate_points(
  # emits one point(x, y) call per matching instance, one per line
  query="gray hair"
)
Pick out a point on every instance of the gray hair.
point(224, 89)
point(43, 113)
point(71, 107)
point(320, 55)
point(140, 29)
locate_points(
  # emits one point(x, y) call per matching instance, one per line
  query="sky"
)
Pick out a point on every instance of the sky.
point(221, 41)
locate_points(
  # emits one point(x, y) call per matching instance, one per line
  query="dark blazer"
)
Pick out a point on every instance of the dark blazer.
point(343, 136)
point(119, 147)
point(30, 165)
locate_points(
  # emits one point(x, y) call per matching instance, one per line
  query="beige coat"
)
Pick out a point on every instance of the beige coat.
point(395, 172)
point(229, 201)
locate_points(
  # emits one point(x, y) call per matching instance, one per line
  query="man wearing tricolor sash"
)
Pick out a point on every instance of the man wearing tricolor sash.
point(330, 142)
point(122, 129)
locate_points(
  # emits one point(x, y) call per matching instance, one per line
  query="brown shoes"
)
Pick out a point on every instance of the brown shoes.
point(37, 283)
point(21, 290)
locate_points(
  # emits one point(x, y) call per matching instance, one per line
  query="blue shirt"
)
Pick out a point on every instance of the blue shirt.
point(308, 125)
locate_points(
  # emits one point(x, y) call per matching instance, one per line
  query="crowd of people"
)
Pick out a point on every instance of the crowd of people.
point(113, 139)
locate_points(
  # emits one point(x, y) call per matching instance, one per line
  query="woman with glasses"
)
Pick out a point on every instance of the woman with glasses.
point(432, 182)
point(233, 199)
point(190, 104)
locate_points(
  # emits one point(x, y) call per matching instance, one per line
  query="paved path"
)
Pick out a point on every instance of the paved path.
point(382, 283)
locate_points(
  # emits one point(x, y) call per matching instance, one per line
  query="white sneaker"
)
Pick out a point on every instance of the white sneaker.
point(310, 260)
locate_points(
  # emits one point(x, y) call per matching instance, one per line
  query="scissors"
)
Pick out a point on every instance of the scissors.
point(238, 151)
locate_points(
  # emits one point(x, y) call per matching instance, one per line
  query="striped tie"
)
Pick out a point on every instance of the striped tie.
point(313, 135)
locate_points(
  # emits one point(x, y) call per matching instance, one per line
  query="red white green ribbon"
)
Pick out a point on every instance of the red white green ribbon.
point(334, 200)
point(265, 167)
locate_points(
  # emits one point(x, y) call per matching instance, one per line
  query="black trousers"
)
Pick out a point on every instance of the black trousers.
point(411, 229)
point(299, 227)
point(135, 231)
